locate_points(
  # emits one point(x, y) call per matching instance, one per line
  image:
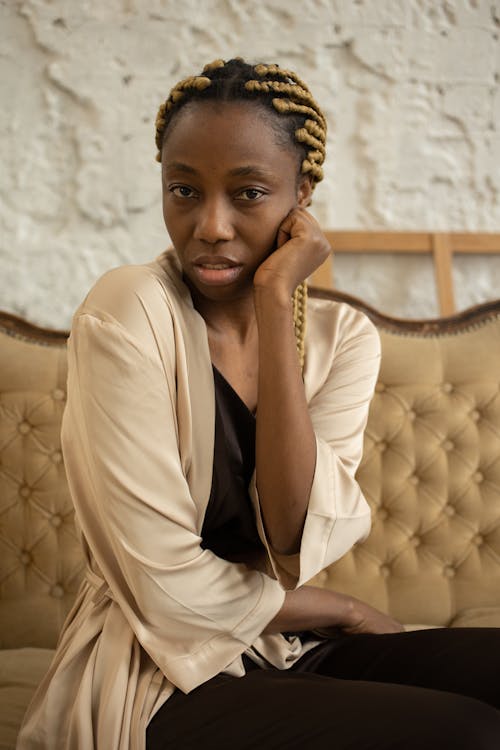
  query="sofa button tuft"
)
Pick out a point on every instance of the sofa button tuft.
point(385, 571)
point(382, 446)
point(449, 571)
point(383, 514)
point(58, 394)
point(25, 557)
point(414, 480)
point(415, 541)
point(475, 415)
point(478, 477)
point(448, 445)
point(412, 415)
point(478, 540)
point(57, 591)
point(24, 427)
point(25, 491)
point(447, 387)
point(449, 510)
point(379, 388)
point(56, 520)
point(56, 457)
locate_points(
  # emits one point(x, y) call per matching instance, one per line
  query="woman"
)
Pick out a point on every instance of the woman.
point(211, 450)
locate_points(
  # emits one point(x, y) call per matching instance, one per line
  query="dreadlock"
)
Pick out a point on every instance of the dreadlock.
point(280, 91)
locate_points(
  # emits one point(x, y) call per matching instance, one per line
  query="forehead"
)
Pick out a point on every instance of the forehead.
point(229, 132)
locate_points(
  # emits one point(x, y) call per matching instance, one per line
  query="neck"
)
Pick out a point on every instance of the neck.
point(234, 318)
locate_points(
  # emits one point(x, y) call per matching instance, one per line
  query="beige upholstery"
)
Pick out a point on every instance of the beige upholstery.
point(20, 672)
point(431, 472)
point(39, 552)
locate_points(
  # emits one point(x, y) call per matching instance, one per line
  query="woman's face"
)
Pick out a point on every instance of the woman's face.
point(227, 186)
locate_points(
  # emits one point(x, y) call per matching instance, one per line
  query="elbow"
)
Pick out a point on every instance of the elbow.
point(287, 541)
point(285, 550)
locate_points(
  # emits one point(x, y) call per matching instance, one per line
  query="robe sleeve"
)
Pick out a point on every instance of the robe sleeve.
point(338, 515)
point(193, 612)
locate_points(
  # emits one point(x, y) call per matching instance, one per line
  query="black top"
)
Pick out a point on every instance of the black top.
point(229, 527)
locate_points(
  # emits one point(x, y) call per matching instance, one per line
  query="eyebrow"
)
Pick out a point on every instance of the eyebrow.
point(179, 166)
point(249, 171)
point(246, 171)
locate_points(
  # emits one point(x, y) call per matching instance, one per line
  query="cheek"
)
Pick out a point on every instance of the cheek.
point(269, 233)
point(270, 224)
point(165, 211)
point(172, 219)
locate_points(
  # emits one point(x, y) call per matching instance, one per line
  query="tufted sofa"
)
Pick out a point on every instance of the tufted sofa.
point(431, 472)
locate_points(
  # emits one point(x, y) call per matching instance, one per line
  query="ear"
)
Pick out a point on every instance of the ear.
point(304, 191)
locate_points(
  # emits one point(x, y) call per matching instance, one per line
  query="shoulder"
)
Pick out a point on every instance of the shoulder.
point(136, 298)
point(120, 286)
point(337, 323)
point(341, 343)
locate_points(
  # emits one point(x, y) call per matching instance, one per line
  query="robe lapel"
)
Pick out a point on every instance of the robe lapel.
point(194, 383)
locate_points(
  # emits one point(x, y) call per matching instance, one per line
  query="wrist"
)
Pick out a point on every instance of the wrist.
point(351, 615)
point(274, 296)
point(337, 610)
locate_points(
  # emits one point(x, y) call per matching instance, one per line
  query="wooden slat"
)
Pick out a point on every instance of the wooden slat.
point(475, 243)
point(323, 276)
point(411, 242)
point(380, 242)
point(443, 255)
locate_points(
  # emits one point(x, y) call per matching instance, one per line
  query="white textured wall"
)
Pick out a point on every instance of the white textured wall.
point(410, 87)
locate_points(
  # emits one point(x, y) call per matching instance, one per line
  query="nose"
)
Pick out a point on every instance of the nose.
point(214, 222)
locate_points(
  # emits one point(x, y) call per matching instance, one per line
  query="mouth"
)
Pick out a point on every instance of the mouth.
point(216, 270)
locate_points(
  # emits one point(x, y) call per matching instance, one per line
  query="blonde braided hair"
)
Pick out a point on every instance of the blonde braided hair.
point(283, 92)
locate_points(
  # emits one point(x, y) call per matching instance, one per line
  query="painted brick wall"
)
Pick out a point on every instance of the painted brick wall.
point(410, 87)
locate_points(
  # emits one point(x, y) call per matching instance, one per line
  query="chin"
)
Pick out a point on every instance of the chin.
point(219, 292)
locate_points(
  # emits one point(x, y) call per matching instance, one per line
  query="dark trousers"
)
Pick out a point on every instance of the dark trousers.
point(425, 690)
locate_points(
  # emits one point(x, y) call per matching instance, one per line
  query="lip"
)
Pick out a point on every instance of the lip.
point(207, 273)
point(213, 260)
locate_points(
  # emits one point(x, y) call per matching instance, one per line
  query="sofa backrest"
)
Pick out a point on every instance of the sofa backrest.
point(430, 471)
point(40, 557)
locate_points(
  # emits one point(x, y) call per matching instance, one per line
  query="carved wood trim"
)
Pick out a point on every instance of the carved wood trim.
point(458, 323)
point(18, 328)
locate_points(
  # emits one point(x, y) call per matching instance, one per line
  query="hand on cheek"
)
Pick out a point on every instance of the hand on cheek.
point(301, 247)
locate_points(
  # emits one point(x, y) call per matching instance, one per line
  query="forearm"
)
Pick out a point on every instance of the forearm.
point(309, 607)
point(285, 440)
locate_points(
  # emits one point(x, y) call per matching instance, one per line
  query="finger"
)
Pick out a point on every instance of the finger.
point(285, 229)
point(291, 224)
point(282, 237)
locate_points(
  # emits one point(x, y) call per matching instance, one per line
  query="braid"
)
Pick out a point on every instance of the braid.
point(280, 88)
point(196, 83)
point(299, 319)
point(275, 70)
point(209, 67)
point(282, 92)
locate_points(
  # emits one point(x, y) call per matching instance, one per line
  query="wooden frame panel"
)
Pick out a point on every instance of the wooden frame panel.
point(441, 245)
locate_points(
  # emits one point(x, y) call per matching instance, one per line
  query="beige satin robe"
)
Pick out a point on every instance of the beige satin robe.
point(155, 609)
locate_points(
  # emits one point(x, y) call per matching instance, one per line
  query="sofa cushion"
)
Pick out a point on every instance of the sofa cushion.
point(20, 672)
point(478, 617)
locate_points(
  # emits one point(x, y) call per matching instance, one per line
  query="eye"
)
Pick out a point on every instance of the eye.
point(182, 191)
point(250, 194)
